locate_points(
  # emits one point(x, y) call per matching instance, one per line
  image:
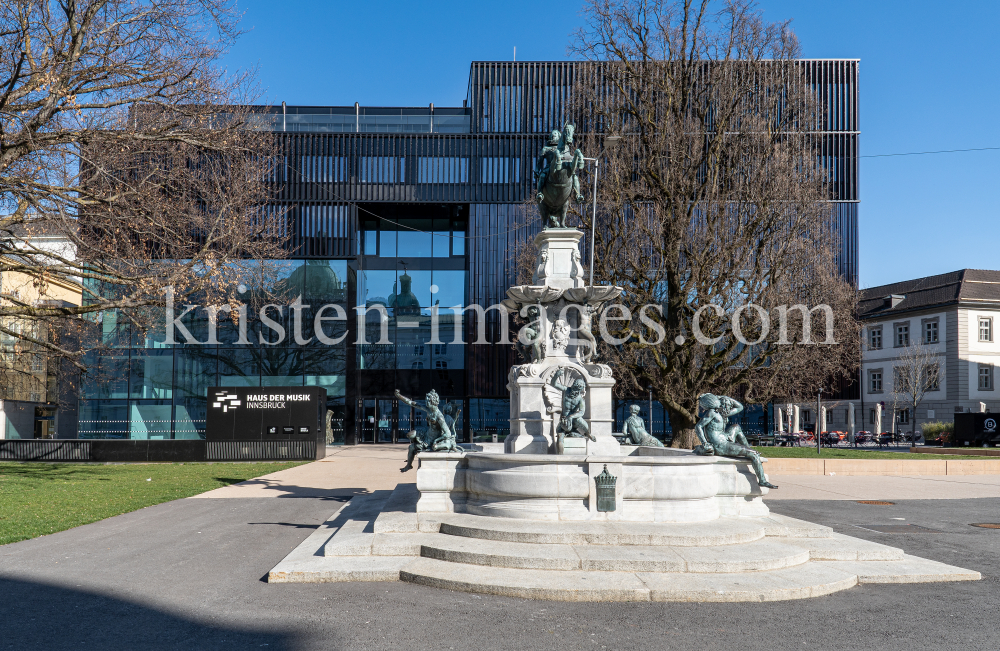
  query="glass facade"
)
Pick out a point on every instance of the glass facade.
point(144, 388)
point(347, 119)
point(412, 283)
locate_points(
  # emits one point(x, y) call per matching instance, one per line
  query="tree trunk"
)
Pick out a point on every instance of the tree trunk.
point(683, 428)
point(684, 439)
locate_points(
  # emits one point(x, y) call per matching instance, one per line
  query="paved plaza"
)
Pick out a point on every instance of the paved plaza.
point(190, 574)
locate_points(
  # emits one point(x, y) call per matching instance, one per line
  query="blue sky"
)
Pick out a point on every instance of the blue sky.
point(929, 81)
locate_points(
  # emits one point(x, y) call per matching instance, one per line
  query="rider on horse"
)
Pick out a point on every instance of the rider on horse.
point(555, 177)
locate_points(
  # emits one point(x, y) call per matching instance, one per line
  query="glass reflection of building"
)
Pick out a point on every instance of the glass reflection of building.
point(408, 213)
point(143, 388)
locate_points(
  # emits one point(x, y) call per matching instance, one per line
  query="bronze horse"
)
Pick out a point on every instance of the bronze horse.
point(556, 179)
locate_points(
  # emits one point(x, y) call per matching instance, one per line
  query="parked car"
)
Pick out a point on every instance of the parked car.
point(829, 438)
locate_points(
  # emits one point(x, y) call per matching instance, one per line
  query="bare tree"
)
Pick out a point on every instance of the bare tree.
point(129, 163)
point(916, 372)
point(713, 206)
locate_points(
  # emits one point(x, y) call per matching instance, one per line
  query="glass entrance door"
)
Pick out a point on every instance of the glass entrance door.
point(386, 421)
point(377, 420)
point(368, 420)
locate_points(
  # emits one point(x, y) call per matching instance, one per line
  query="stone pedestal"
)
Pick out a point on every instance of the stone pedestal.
point(558, 264)
point(535, 408)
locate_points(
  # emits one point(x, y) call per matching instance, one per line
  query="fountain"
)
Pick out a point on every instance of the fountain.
point(561, 510)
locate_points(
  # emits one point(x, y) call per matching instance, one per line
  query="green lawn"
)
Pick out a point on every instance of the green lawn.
point(778, 452)
point(43, 498)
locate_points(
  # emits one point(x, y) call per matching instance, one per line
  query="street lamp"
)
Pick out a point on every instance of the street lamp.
point(593, 220)
point(650, 387)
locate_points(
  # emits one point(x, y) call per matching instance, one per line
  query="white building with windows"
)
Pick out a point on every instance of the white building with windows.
point(954, 316)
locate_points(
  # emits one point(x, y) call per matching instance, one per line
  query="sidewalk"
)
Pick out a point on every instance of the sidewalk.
point(358, 469)
point(346, 470)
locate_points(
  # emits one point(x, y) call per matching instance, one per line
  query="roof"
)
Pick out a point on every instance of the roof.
point(963, 287)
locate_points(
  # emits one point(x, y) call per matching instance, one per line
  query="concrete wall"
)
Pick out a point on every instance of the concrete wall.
point(894, 467)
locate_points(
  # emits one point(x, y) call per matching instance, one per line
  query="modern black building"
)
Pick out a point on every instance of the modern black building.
point(406, 209)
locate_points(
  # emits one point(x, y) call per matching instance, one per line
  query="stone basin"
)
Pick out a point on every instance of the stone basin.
point(653, 485)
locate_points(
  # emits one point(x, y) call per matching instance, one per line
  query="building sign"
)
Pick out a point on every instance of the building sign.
point(266, 413)
point(976, 430)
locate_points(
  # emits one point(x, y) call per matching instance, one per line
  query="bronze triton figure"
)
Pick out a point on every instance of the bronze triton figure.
point(574, 405)
point(438, 436)
point(635, 430)
point(717, 438)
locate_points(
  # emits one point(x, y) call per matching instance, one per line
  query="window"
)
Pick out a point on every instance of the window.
point(370, 238)
point(319, 169)
point(875, 381)
point(932, 378)
point(900, 379)
point(930, 332)
point(441, 365)
point(985, 377)
point(502, 108)
point(985, 328)
point(902, 334)
point(806, 416)
point(37, 364)
point(323, 221)
point(875, 338)
point(501, 170)
point(381, 169)
point(417, 365)
point(440, 349)
point(442, 169)
point(418, 351)
point(872, 416)
point(902, 416)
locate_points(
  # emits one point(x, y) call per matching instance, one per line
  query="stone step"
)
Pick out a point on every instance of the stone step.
point(527, 584)
point(757, 556)
point(809, 580)
point(747, 557)
point(475, 551)
point(327, 569)
point(909, 569)
point(725, 531)
point(784, 526)
point(839, 547)
point(800, 582)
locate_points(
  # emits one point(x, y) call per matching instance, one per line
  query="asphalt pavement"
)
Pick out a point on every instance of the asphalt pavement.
point(189, 574)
